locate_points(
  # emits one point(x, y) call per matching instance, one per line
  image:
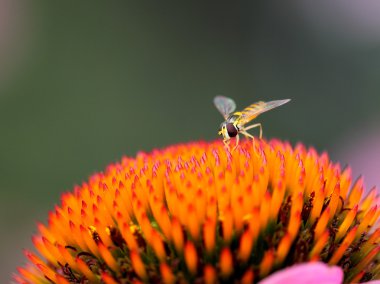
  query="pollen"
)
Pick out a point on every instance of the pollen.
point(198, 213)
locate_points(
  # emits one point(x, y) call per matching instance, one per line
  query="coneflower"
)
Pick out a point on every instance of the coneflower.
point(196, 213)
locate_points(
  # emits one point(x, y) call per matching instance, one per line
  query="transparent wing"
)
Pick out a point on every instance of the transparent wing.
point(258, 108)
point(224, 105)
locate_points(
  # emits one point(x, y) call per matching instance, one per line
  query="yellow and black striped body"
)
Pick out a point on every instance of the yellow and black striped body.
point(250, 112)
point(239, 118)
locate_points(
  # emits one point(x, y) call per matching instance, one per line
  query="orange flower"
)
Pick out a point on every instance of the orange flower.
point(197, 212)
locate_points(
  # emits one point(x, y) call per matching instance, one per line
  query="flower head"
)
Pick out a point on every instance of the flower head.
point(196, 212)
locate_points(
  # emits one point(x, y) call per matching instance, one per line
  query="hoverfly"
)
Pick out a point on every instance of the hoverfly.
point(235, 122)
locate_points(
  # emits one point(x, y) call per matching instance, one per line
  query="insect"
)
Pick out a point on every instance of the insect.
point(235, 122)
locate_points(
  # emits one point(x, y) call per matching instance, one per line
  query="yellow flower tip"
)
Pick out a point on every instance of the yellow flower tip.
point(167, 274)
point(356, 192)
point(319, 200)
point(347, 222)
point(334, 200)
point(61, 280)
point(48, 272)
point(267, 263)
point(320, 243)
point(277, 198)
point(27, 275)
point(66, 256)
point(210, 275)
point(158, 247)
point(283, 248)
point(107, 279)
point(345, 181)
point(322, 223)
point(138, 265)
point(191, 257)
point(193, 222)
point(343, 247)
point(177, 235)
point(369, 199)
point(85, 270)
point(227, 224)
point(226, 263)
point(209, 235)
point(195, 212)
point(366, 221)
point(265, 210)
point(253, 224)
point(372, 242)
point(245, 248)
point(294, 224)
point(107, 256)
point(248, 277)
point(32, 257)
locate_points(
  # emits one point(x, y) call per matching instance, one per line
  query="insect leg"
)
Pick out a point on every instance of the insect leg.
point(246, 134)
point(237, 142)
point(226, 143)
point(253, 126)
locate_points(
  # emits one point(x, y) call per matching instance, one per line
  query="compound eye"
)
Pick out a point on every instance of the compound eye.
point(231, 129)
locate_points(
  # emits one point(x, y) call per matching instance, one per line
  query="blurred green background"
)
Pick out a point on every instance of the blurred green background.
point(83, 84)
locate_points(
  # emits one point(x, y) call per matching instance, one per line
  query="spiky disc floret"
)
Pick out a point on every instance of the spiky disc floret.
point(196, 212)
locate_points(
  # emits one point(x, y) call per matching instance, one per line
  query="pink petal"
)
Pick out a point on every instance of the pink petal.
point(307, 273)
